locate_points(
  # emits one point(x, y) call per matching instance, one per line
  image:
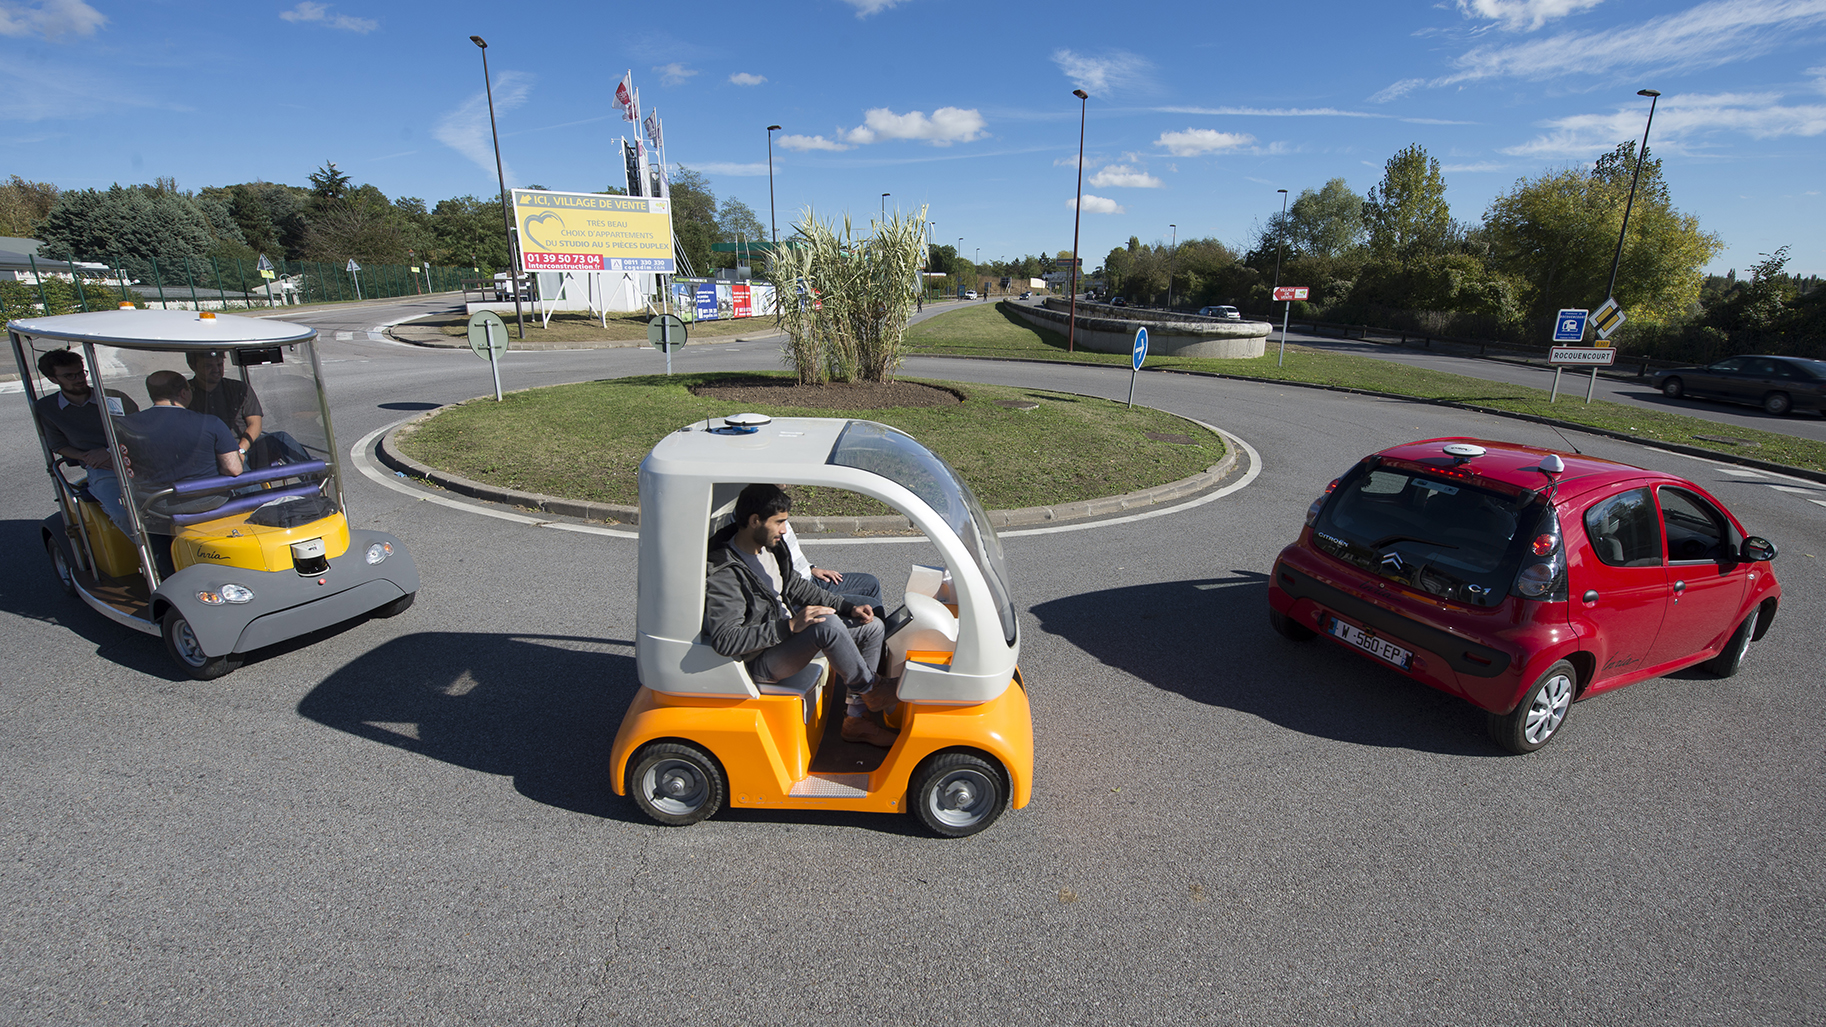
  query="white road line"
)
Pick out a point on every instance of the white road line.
point(1793, 490)
point(1745, 471)
point(358, 455)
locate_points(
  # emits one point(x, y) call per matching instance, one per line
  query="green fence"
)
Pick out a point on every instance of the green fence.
point(67, 286)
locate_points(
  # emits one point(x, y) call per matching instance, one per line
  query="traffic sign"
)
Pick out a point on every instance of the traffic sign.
point(1291, 292)
point(265, 267)
point(487, 334)
point(353, 267)
point(1141, 348)
point(666, 332)
point(1609, 318)
point(1582, 356)
point(1569, 326)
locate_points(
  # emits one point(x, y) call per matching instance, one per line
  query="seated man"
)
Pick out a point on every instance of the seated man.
point(236, 404)
point(72, 428)
point(758, 609)
point(168, 443)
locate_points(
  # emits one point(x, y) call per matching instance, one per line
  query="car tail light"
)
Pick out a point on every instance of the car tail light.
point(1312, 512)
point(1543, 572)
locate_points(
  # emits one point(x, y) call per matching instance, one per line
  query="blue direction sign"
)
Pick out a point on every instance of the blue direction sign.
point(1141, 347)
point(1569, 326)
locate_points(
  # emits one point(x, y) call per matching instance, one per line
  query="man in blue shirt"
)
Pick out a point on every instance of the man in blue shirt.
point(168, 443)
point(72, 424)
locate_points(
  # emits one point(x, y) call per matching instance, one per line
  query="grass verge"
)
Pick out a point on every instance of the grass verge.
point(586, 441)
point(582, 327)
point(988, 331)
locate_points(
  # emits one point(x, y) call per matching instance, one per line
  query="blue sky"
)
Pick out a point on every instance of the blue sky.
point(1198, 111)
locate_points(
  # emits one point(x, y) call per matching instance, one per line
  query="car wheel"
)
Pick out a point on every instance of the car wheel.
point(1673, 388)
point(1538, 717)
point(181, 642)
point(1288, 628)
point(1730, 659)
point(396, 607)
point(676, 783)
point(65, 576)
point(1777, 404)
point(956, 794)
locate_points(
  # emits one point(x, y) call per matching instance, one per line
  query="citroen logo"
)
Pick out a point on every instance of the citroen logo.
point(1392, 561)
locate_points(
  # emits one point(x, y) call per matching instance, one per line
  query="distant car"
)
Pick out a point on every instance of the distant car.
point(1521, 579)
point(1118, 301)
point(1027, 295)
point(1226, 313)
point(1779, 385)
point(970, 295)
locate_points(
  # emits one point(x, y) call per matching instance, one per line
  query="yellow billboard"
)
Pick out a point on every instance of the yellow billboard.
point(593, 232)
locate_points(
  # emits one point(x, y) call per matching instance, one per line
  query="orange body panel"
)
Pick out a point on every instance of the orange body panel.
point(763, 747)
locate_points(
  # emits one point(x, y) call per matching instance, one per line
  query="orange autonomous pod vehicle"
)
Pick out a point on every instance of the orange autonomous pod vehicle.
point(702, 734)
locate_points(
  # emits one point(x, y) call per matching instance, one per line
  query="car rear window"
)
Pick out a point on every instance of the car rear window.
point(1436, 533)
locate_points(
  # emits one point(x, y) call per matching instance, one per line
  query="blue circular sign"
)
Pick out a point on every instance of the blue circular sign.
point(1141, 347)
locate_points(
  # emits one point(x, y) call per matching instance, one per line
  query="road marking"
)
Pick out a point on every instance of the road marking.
point(1745, 471)
point(358, 455)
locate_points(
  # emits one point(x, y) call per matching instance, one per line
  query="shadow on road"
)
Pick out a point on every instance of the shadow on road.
point(541, 709)
point(1209, 640)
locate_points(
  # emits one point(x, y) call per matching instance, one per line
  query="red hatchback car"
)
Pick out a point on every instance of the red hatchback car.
point(1521, 579)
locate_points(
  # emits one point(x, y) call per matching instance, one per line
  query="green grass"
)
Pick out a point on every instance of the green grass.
point(987, 331)
point(586, 441)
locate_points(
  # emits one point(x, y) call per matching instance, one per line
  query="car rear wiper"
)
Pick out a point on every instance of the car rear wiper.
point(1385, 540)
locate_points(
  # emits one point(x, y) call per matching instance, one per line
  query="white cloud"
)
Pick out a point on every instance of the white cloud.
point(1273, 112)
point(810, 143)
point(1711, 34)
point(1122, 176)
point(673, 74)
point(1486, 165)
point(947, 125)
point(1397, 90)
point(50, 19)
point(1194, 141)
point(307, 11)
point(1523, 15)
point(1098, 205)
point(1098, 75)
point(743, 78)
point(465, 129)
point(1066, 162)
point(714, 167)
point(864, 8)
point(1682, 123)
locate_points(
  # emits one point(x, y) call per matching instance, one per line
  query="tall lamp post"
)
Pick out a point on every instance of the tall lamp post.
point(1172, 264)
point(884, 206)
point(1071, 337)
point(775, 224)
point(507, 217)
point(1642, 153)
point(1280, 238)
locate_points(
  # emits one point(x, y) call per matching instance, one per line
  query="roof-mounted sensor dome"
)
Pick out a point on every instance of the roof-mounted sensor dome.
point(1462, 451)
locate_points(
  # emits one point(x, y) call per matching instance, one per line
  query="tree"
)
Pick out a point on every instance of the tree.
point(1406, 214)
point(23, 204)
point(135, 225)
point(1557, 235)
point(1326, 223)
point(328, 184)
point(693, 217)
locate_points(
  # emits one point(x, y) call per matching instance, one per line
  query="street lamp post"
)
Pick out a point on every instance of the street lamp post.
point(1172, 264)
point(1280, 238)
point(772, 222)
point(507, 217)
point(884, 206)
point(1610, 288)
point(1071, 337)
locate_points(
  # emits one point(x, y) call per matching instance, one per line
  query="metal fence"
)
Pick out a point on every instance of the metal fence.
point(74, 285)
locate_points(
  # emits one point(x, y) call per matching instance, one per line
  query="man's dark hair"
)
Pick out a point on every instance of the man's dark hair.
point(54, 359)
point(168, 385)
point(195, 355)
point(765, 500)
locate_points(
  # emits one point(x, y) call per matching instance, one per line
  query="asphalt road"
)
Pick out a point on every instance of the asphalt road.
point(407, 821)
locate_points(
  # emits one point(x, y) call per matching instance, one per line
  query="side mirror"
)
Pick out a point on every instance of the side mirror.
point(1757, 549)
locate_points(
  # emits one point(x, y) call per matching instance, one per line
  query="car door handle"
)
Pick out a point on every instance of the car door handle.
point(1680, 586)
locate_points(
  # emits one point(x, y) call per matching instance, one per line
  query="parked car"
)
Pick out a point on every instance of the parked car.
point(1521, 579)
point(1777, 384)
point(1027, 295)
point(1227, 313)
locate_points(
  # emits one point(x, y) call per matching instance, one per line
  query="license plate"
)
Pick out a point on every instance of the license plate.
point(1371, 644)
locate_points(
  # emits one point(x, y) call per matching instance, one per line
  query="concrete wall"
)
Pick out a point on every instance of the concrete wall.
point(1102, 329)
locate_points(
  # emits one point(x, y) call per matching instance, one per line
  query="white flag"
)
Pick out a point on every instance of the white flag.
point(652, 126)
point(624, 96)
point(634, 108)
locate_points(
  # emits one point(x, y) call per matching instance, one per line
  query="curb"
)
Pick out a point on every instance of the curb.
point(432, 338)
point(390, 455)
